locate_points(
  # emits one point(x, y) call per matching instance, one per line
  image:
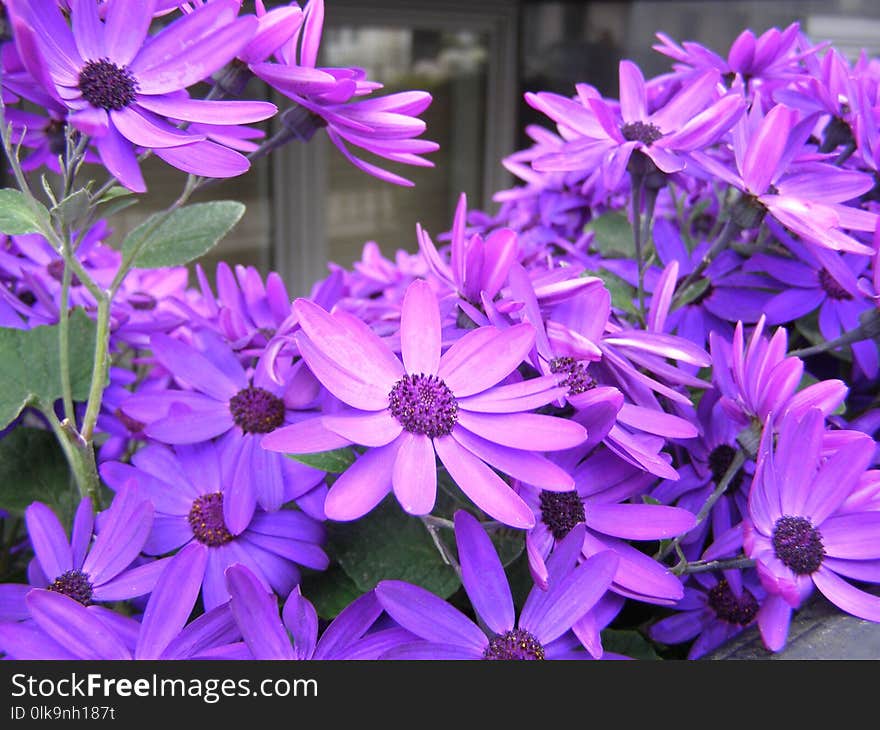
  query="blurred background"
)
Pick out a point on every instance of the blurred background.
point(307, 205)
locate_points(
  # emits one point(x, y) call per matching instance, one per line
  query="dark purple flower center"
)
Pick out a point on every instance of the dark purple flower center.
point(561, 511)
point(424, 404)
point(516, 644)
point(142, 301)
point(206, 520)
point(106, 86)
point(729, 608)
point(130, 423)
point(75, 584)
point(576, 378)
point(719, 462)
point(256, 410)
point(798, 544)
point(643, 132)
point(55, 269)
point(831, 287)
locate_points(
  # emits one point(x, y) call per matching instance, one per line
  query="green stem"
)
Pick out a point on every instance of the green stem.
point(869, 327)
point(100, 364)
point(79, 454)
point(705, 566)
point(637, 239)
point(735, 465)
point(730, 231)
point(64, 344)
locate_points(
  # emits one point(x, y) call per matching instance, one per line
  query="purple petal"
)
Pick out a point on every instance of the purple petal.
point(656, 422)
point(145, 129)
point(301, 621)
point(127, 24)
point(25, 640)
point(207, 112)
point(135, 582)
point(526, 466)
point(854, 536)
point(639, 521)
point(428, 616)
point(527, 431)
point(482, 485)
point(836, 479)
point(420, 329)
point(351, 624)
point(191, 366)
point(432, 651)
point(48, 540)
point(88, 31)
point(483, 575)
point(123, 533)
point(766, 147)
point(369, 428)
point(414, 476)
point(12, 604)
point(523, 396)
point(483, 358)
point(847, 597)
point(184, 426)
point(81, 532)
point(363, 485)
point(677, 629)
point(256, 614)
point(202, 56)
point(117, 155)
point(172, 600)
point(208, 637)
point(305, 437)
point(573, 597)
point(633, 97)
point(74, 627)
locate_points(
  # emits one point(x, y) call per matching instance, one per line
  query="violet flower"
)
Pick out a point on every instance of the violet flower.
point(226, 401)
point(64, 629)
point(546, 616)
point(294, 635)
point(428, 406)
point(189, 487)
point(803, 531)
point(121, 90)
point(85, 571)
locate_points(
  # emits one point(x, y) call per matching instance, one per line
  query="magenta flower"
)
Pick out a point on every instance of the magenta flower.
point(803, 528)
point(88, 572)
point(294, 635)
point(601, 135)
point(758, 379)
point(808, 198)
point(122, 91)
point(430, 405)
point(386, 126)
point(189, 488)
point(62, 628)
point(544, 624)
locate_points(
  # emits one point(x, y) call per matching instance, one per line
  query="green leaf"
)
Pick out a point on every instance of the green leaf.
point(629, 643)
point(73, 208)
point(330, 591)
point(33, 468)
point(693, 292)
point(30, 367)
point(18, 217)
point(388, 544)
point(185, 235)
point(646, 499)
point(117, 191)
point(334, 462)
point(613, 235)
point(622, 294)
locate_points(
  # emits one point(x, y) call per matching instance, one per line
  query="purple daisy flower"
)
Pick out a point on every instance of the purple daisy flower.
point(294, 635)
point(759, 379)
point(87, 572)
point(225, 401)
point(808, 198)
point(802, 531)
point(545, 619)
point(604, 486)
point(189, 487)
point(428, 406)
point(386, 126)
point(602, 135)
point(815, 278)
point(711, 612)
point(121, 91)
point(62, 628)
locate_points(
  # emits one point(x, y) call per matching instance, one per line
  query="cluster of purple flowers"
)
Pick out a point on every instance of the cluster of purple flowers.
point(625, 409)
